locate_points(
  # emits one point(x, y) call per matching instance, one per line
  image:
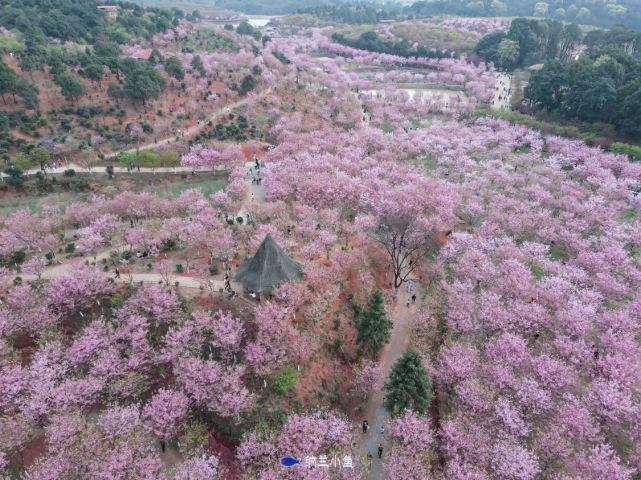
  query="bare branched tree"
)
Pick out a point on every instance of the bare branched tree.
point(406, 241)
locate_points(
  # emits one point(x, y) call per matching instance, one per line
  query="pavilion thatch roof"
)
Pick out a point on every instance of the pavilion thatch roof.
point(268, 269)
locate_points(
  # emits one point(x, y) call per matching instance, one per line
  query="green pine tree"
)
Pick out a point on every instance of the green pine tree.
point(373, 325)
point(409, 385)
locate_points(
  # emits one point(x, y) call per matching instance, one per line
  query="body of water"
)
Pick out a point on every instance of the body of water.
point(259, 20)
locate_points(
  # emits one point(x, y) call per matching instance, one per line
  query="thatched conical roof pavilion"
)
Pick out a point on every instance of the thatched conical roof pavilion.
point(268, 269)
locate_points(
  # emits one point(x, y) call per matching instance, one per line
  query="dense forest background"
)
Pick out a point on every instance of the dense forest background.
point(592, 77)
point(43, 26)
point(603, 13)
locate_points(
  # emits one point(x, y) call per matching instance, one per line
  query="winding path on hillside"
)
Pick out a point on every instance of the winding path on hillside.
point(190, 132)
point(196, 129)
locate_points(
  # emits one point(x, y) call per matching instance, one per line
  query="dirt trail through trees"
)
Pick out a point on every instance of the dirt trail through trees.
point(196, 129)
point(375, 412)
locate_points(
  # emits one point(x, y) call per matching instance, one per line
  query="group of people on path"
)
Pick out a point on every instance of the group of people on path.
point(504, 92)
point(227, 284)
point(254, 172)
point(381, 431)
point(409, 287)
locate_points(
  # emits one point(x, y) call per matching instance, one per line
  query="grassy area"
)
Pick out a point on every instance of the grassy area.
point(8, 44)
point(207, 40)
point(301, 20)
point(206, 187)
point(435, 37)
point(431, 163)
point(537, 271)
point(559, 252)
point(149, 159)
point(629, 215)
point(10, 204)
point(354, 31)
point(168, 186)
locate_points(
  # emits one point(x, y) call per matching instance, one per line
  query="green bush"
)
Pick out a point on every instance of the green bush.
point(70, 247)
point(633, 152)
point(168, 245)
point(285, 381)
point(213, 270)
point(116, 300)
point(16, 258)
point(179, 268)
point(69, 173)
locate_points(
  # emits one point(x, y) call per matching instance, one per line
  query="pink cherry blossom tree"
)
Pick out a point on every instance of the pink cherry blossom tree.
point(165, 413)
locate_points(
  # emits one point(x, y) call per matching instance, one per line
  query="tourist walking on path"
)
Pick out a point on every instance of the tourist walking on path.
point(380, 450)
point(365, 426)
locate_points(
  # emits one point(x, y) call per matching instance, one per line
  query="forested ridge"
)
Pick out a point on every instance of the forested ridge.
point(590, 78)
point(602, 87)
point(34, 32)
point(604, 14)
point(371, 42)
point(80, 20)
point(529, 42)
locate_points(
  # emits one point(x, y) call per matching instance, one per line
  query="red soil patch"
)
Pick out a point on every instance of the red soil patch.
point(330, 369)
point(33, 450)
point(218, 87)
point(250, 149)
point(216, 302)
point(317, 374)
point(441, 238)
point(171, 102)
point(224, 451)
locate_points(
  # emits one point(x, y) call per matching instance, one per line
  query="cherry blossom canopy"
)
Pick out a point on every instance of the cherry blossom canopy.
point(269, 268)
